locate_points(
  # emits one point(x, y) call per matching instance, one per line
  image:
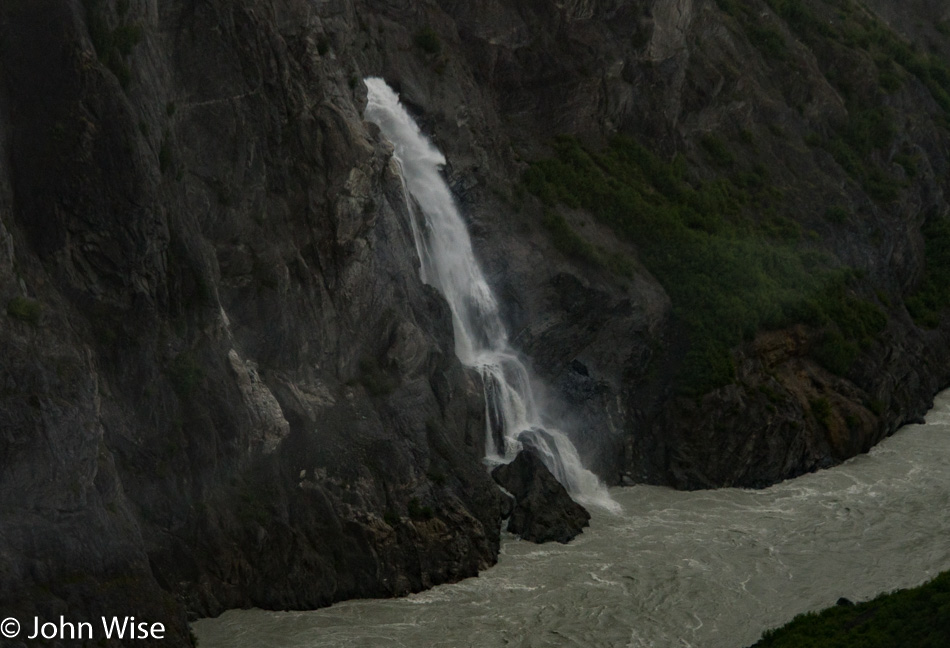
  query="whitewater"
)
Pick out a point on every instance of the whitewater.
point(704, 569)
point(664, 569)
point(513, 416)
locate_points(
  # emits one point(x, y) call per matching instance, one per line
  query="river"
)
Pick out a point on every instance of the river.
point(706, 569)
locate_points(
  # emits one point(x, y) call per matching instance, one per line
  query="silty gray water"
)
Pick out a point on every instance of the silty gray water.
point(706, 569)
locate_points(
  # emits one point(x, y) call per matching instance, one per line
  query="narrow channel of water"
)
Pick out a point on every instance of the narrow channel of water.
point(708, 569)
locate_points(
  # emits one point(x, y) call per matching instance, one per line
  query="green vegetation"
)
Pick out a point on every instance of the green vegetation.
point(254, 508)
point(113, 45)
point(933, 294)
point(860, 143)
point(857, 29)
point(376, 379)
point(566, 239)
point(427, 40)
point(717, 151)
point(868, 129)
point(730, 264)
point(821, 410)
point(25, 310)
point(186, 374)
point(912, 618)
point(836, 214)
point(759, 29)
point(417, 511)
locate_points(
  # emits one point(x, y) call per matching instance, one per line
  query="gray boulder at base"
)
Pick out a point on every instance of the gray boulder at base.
point(543, 510)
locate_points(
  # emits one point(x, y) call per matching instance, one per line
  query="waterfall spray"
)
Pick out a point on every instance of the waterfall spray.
point(513, 418)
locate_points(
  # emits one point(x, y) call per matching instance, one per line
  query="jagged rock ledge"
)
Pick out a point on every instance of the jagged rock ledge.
point(543, 510)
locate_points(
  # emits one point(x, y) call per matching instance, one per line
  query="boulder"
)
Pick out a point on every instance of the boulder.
point(543, 510)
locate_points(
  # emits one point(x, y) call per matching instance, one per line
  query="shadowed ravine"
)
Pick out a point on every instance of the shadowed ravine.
point(709, 568)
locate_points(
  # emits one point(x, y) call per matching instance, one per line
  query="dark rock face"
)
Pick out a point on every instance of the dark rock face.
point(543, 510)
point(222, 382)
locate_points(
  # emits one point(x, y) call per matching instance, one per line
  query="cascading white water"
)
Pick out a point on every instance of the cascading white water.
point(448, 262)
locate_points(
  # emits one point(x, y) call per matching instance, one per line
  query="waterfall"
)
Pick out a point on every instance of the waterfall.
point(513, 416)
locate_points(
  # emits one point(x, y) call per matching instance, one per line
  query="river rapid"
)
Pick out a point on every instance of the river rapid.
point(706, 569)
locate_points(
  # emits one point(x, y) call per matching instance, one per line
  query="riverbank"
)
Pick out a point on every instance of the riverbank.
point(913, 618)
point(709, 568)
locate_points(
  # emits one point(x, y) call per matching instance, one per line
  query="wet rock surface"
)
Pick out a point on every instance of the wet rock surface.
point(543, 510)
point(224, 384)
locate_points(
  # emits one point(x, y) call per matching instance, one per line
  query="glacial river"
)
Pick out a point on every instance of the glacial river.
point(708, 569)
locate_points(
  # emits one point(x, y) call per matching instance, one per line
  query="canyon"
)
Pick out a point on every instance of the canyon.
point(224, 382)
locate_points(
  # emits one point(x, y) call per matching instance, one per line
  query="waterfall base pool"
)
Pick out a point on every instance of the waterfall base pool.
point(706, 569)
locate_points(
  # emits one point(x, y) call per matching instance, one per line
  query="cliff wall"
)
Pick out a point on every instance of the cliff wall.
point(223, 383)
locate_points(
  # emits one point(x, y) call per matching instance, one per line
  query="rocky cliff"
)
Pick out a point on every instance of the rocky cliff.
point(223, 383)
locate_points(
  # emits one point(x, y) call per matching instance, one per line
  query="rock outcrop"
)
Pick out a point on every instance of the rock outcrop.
point(543, 509)
point(223, 383)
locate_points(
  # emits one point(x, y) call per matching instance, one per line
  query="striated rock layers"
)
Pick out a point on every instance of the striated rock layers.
point(222, 382)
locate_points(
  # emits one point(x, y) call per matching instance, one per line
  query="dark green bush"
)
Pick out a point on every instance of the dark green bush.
point(375, 378)
point(566, 239)
point(417, 511)
point(113, 46)
point(821, 410)
point(912, 618)
point(186, 374)
point(716, 150)
point(837, 214)
point(933, 293)
point(25, 310)
point(427, 40)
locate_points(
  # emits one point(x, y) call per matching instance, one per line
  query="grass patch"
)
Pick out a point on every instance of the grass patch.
point(730, 266)
point(25, 310)
point(911, 618)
